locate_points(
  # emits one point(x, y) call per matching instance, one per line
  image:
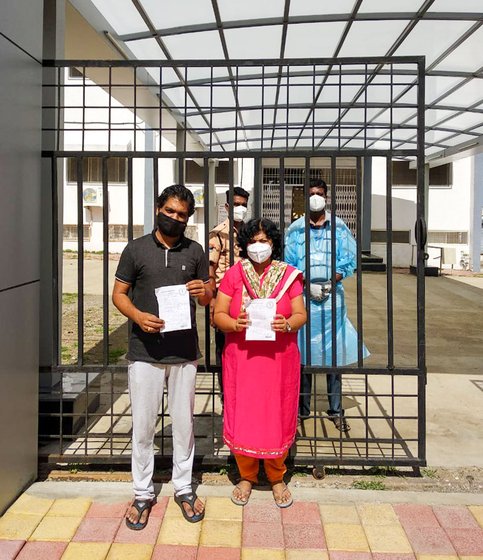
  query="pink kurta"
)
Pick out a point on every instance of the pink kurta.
point(261, 379)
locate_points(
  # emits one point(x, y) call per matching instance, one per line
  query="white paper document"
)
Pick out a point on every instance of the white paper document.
point(174, 307)
point(261, 313)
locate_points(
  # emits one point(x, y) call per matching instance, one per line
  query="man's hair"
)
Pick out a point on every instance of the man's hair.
point(255, 225)
point(318, 183)
point(181, 193)
point(237, 191)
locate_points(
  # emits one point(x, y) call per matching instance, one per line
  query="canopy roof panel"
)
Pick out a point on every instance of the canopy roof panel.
point(448, 33)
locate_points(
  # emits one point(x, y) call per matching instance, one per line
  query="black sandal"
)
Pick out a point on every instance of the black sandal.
point(189, 499)
point(140, 506)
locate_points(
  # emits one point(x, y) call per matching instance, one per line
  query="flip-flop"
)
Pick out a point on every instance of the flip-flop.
point(140, 506)
point(189, 499)
point(282, 504)
point(241, 501)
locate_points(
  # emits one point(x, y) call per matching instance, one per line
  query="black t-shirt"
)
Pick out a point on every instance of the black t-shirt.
point(147, 264)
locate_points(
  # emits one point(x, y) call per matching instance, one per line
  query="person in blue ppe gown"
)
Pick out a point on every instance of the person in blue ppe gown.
point(321, 299)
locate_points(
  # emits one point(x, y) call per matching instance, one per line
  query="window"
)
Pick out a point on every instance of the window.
point(195, 173)
point(403, 176)
point(92, 170)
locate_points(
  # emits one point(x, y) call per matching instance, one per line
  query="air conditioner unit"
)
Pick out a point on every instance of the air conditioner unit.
point(92, 196)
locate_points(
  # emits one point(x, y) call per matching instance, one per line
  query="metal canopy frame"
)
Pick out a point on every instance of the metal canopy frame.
point(70, 435)
point(289, 18)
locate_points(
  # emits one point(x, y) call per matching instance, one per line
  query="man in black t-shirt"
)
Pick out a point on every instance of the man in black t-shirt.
point(163, 258)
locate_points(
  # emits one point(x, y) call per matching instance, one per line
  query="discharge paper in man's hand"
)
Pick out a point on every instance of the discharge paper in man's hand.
point(174, 307)
point(261, 313)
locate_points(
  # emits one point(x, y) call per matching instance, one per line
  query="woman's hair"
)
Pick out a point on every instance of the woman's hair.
point(252, 227)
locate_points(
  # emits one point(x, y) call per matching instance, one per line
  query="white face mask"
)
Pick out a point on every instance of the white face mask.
point(317, 203)
point(239, 213)
point(259, 252)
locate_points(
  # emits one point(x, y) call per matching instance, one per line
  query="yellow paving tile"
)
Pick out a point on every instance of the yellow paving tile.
point(56, 529)
point(31, 505)
point(86, 551)
point(477, 511)
point(262, 554)
point(221, 533)
point(345, 536)
point(339, 514)
point(76, 507)
point(179, 531)
point(120, 551)
point(377, 514)
point(387, 538)
point(471, 557)
point(223, 508)
point(306, 554)
point(436, 557)
point(18, 526)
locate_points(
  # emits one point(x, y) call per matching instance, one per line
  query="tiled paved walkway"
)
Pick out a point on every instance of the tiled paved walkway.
point(36, 528)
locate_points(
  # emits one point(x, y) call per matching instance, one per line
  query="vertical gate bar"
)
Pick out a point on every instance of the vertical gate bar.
point(80, 262)
point(258, 187)
point(420, 268)
point(287, 115)
point(160, 124)
point(231, 234)
point(236, 108)
point(314, 94)
point(308, 348)
point(390, 299)
point(211, 109)
point(340, 108)
point(333, 266)
point(365, 106)
point(282, 202)
point(83, 107)
point(135, 93)
point(263, 112)
point(109, 111)
point(389, 294)
point(360, 323)
point(130, 219)
point(390, 241)
point(105, 262)
point(155, 187)
point(206, 241)
point(55, 263)
point(59, 81)
point(185, 112)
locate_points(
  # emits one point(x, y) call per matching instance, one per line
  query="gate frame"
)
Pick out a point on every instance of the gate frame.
point(257, 155)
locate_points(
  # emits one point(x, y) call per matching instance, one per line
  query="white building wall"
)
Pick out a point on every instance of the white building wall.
point(448, 210)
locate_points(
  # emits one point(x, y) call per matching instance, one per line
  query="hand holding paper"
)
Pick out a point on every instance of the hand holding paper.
point(174, 307)
point(261, 313)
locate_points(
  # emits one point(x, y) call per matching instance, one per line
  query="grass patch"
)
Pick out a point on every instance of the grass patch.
point(115, 354)
point(69, 298)
point(368, 485)
point(384, 471)
point(429, 473)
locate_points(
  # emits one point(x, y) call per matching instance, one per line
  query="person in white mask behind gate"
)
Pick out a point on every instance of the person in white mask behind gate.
point(220, 251)
point(321, 299)
point(159, 279)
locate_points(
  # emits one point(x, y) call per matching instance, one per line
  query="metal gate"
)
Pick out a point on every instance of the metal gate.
point(251, 110)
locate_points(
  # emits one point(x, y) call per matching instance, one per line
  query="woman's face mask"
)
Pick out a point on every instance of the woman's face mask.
point(316, 203)
point(259, 252)
point(170, 227)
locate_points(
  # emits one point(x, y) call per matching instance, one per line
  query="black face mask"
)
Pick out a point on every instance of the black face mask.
point(170, 227)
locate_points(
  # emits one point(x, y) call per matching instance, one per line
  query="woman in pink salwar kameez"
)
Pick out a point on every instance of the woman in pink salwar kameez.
point(261, 378)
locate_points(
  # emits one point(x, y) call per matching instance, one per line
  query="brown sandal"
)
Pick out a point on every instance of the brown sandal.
point(279, 503)
point(241, 501)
